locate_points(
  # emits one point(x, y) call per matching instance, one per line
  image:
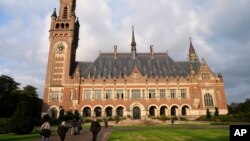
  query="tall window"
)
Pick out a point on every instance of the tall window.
point(55, 95)
point(183, 93)
point(87, 94)
point(98, 94)
point(151, 93)
point(119, 94)
point(71, 95)
point(65, 12)
point(128, 94)
point(162, 93)
point(172, 93)
point(208, 100)
point(136, 94)
point(108, 94)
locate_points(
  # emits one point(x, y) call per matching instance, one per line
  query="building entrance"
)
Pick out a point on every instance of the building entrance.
point(136, 113)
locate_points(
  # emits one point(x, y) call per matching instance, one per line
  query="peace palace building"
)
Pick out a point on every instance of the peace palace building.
point(135, 84)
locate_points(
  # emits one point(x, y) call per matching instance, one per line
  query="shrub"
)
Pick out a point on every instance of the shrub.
point(174, 118)
point(4, 125)
point(208, 115)
point(22, 120)
point(164, 118)
point(183, 118)
point(129, 116)
point(117, 119)
point(216, 113)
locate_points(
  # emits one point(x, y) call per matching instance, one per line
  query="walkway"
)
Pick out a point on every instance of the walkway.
point(84, 135)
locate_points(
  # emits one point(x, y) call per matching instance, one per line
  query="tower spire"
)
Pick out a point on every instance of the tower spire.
point(54, 13)
point(192, 55)
point(133, 37)
point(133, 44)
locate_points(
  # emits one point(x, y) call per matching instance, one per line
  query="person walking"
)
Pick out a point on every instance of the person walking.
point(106, 122)
point(95, 127)
point(74, 127)
point(62, 130)
point(45, 130)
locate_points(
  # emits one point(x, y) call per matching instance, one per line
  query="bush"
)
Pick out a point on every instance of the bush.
point(164, 118)
point(4, 125)
point(22, 120)
point(174, 118)
point(183, 118)
point(129, 116)
point(208, 115)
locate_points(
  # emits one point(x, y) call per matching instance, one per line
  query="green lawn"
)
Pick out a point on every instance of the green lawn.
point(28, 137)
point(14, 137)
point(172, 133)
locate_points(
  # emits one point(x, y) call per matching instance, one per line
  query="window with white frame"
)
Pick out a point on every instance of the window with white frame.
point(98, 94)
point(183, 93)
point(151, 93)
point(87, 94)
point(162, 93)
point(172, 93)
point(55, 96)
point(71, 95)
point(108, 94)
point(128, 94)
point(136, 94)
point(208, 100)
point(119, 94)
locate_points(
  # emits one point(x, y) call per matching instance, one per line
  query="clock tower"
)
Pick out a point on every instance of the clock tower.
point(64, 36)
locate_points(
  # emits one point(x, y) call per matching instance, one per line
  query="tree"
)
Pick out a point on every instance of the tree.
point(216, 112)
point(8, 103)
point(29, 94)
point(22, 120)
point(61, 117)
point(30, 91)
point(7, 85)
point(69, 115)
point(208, 115)
point(76, 115)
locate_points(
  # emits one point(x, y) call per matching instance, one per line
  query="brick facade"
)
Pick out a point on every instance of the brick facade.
point(125, 84)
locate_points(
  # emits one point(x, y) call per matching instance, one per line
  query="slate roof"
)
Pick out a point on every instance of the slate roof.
point(160, 65)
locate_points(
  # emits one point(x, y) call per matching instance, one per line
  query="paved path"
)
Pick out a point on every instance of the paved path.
point(103, 135)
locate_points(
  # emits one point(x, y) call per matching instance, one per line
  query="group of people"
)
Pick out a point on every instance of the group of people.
point(45, 130)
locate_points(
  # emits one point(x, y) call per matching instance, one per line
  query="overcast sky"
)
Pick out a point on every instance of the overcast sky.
point(220, 31)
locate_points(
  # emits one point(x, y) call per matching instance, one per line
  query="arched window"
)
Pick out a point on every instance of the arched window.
point(208, 100)
point(65, 12)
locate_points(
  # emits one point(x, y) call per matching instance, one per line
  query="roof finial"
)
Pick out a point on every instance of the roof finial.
point(133, 37)
point(54, 13)
point(133, 44)
point(192, 55)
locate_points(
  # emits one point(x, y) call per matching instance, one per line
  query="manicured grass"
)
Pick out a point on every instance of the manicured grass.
point(172, 133)
point(28, 137)
point(14, 137)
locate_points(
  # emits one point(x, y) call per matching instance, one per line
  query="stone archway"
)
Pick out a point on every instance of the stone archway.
point(98, 111)
point(174, 111)
point(136, 113)
point(119, 111)
point(163, 110)
point(54, 113)
point(86, 112)
point(108, 111)
point(152, 111)
point(185, 110)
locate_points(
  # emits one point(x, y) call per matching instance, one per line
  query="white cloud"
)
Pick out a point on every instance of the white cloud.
point(219, 31)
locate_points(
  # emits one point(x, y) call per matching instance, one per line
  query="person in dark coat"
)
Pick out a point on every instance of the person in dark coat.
point(62, 130)
point(95, 127)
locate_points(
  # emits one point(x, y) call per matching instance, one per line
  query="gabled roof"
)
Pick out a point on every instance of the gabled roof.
point(160, 65)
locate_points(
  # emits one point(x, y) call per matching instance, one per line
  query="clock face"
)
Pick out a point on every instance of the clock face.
point(60, 48)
